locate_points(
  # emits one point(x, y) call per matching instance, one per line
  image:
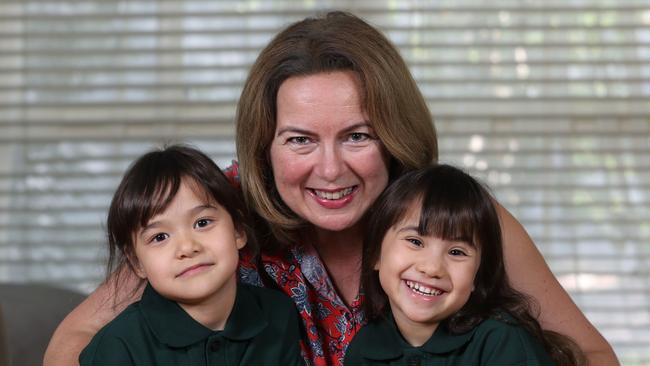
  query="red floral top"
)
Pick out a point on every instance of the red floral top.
point(329, 324)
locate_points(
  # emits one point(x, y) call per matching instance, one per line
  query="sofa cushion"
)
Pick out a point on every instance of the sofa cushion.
point(4, 353)
point(31, 313)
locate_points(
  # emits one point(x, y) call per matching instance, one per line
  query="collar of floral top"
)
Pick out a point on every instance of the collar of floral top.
point(384, 341)
point(314, 271)
point(175, 328)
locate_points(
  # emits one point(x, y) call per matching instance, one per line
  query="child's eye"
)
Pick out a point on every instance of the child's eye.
point(457, 252)
point(159, 237)
point(415, 241)
point(202, 223)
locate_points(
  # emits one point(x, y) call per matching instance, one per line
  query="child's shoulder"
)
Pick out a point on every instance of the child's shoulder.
point(502, 327)
point(123, 324)
point(377, 340)
point(504, 339)
point(273, 319)
point(275, 308)
point(269, 300)
point(501, 324)
point(114, 337)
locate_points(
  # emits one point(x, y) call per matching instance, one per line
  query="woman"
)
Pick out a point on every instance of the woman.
point(328, 116)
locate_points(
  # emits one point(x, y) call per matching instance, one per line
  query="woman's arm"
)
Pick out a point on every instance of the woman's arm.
point(78, 328)
point(529, 273)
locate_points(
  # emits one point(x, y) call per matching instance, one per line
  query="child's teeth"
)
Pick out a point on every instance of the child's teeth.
point(423, 289)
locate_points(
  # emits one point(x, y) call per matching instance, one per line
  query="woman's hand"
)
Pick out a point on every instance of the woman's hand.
point(529, 273)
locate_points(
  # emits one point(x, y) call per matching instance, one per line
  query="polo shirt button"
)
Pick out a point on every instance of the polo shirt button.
point(214, 346)
point(413, 361)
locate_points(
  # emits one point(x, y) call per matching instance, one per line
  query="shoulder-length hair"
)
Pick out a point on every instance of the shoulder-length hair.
point(149, 186)
point(455, 206)
point(337, 41)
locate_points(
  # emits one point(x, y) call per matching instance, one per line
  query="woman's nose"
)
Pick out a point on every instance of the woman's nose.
point(330, 163)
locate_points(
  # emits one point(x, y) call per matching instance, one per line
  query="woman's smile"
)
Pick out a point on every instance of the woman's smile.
point(334, 194)
point(332, 200)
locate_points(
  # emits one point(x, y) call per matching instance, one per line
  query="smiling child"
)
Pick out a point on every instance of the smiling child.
point(436, 291)
point(178, 223)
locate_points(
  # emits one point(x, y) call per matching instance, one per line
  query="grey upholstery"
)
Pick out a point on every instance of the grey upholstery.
point(29, 314)
point(4, 353)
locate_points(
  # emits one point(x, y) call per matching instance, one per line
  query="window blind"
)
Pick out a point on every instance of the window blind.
point(546, 101)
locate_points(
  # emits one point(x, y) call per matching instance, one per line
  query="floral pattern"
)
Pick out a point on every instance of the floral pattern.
point(330, 325)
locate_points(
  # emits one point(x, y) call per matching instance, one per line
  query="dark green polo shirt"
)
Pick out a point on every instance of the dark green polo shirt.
point(262, 330)
point(493, 342)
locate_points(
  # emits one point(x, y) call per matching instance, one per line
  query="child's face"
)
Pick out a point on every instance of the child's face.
point(189, 252)
point(427, 279)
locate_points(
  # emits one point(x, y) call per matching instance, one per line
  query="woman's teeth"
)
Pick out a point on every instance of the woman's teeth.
point(333, 195)
point(423, 290)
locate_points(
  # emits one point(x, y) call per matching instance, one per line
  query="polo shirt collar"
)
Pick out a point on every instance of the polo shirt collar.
point(388, 343)
point(176, 328)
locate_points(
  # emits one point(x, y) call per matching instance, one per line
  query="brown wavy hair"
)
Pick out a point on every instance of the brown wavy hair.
point(455, 206)
point(337, 41)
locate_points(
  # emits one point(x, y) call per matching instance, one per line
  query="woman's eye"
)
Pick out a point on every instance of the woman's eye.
point(456, 252)
point(358, 137)
point(159, 237)
point(415, 241)
point(299, 140)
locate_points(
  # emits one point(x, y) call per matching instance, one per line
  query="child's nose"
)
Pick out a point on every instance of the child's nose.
point(430, 267)
point(188, 246)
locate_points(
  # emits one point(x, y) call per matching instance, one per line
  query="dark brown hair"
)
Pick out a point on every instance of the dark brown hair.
point(454, 206)
point(337, 41)
point(149, 186)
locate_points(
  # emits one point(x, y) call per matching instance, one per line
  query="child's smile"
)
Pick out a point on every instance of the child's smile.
point(426, 279)
point(195, 269)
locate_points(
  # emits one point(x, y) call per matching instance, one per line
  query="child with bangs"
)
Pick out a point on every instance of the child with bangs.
point(435, 286)
point(178, 223)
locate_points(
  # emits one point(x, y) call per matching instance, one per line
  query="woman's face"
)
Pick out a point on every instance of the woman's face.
point(328, 164)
